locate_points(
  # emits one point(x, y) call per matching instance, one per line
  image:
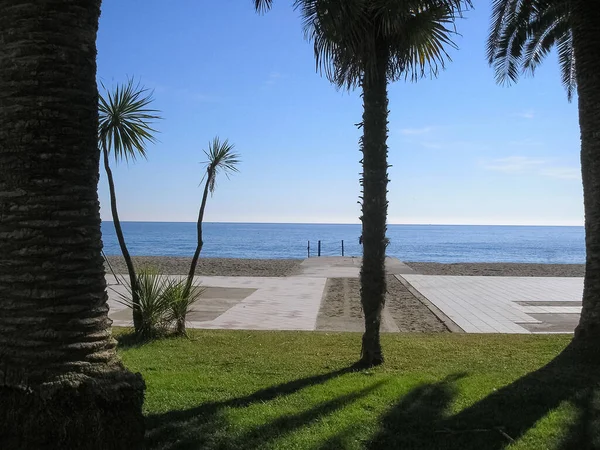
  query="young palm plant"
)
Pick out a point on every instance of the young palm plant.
point(125, 129)
point(221, 158)
point(368, 44)
point(522, 34)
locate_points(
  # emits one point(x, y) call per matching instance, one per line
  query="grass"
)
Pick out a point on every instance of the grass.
point(295, 390)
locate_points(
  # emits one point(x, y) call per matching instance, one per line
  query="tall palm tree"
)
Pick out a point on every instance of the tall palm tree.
point(61, 382)
point(125, 129)
point(368, 44)
point(221, 158)
point(522, 35)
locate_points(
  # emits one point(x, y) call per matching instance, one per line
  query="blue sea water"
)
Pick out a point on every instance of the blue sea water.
point(428, 243)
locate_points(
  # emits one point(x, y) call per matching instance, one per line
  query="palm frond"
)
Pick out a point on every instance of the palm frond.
point(125, 120)
point(524, 32)
point(262, 6)
point(345, 34)
point(221, 158)
point(566, 58)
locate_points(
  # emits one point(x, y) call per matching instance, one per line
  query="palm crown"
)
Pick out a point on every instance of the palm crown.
point(345, 33)
point(522, 35)
point(221, 158)
point(125, 121)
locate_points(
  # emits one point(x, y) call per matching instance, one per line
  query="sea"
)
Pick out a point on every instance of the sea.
point(423, 243)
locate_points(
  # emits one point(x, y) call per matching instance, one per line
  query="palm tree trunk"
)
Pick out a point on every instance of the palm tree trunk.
point(374, 205)
point(61, 382)
point(190, 280)
point(137, 315)
point(586, 35)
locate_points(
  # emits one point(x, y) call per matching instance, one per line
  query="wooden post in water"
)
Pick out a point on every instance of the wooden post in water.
point(319, 249)
point(342, 247)
point(308, 249)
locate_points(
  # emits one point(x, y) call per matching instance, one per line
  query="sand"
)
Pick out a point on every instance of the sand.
point(171, 265)
point(341, 310)
point(499, 269)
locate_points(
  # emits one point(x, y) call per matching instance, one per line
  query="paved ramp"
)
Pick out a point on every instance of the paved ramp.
point(346, 267)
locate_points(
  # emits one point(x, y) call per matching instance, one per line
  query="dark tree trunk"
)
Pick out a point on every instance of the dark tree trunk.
point(586, 39)
point(374, 205)
point(137, 315)
point(62, 385)
point(209, 175)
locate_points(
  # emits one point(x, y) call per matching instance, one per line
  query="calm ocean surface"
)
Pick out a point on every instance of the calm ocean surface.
point(430, 243)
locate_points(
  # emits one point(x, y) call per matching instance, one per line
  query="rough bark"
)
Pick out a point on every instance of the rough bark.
point(137, 315)
point(374, 204)
point(61, 382)
point(210, 174)
point(586, 40)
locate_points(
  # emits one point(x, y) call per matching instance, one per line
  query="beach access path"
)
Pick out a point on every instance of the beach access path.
point(302, 300)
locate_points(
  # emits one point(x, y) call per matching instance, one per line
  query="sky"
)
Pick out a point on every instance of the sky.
point(463, 149)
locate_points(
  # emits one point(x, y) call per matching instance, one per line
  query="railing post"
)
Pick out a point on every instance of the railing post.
point(342, 247)
point(319, 249)
point(308, 249)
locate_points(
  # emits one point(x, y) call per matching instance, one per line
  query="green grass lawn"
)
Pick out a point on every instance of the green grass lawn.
point(294, 390)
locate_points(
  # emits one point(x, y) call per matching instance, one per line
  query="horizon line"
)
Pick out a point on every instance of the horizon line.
point(353, 223)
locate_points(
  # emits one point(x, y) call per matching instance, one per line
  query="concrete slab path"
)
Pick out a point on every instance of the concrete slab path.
point(290, 303)
point(480, 304)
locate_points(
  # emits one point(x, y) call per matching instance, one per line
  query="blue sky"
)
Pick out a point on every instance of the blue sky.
point(463, 149)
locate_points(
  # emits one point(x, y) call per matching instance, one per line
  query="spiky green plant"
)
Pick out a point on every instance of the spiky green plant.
point(221, 159)
point(150, 302)
point(180, 300)
point(124, 128)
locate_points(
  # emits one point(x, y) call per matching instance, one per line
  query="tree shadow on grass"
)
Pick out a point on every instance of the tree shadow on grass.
point(503, 416)
point(205, 426)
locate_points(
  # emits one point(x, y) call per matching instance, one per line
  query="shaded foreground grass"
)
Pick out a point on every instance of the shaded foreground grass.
point(293, 390)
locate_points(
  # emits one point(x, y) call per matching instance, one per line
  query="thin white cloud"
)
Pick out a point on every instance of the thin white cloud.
point(272, 78)
point(514, 164)
point(416, 131)
point(525, 165)
point(562, 173)
point(527, 114)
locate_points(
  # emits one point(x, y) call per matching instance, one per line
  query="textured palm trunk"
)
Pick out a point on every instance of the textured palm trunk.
point(210, 174)
point(586, 35)
point(62, 385)
point(374, 205)
point(137, 315)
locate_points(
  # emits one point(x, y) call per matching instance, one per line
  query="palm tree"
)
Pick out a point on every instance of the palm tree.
point(221, 158)
point(62, 384)
point(522, 35)
point(124, 128)
point(368, 44)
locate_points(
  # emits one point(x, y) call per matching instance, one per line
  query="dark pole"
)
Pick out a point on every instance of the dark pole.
point(342, 247)
point(319, 249)
point(308, 249)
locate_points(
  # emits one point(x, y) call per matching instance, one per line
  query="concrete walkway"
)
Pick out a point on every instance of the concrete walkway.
point(479, 304)
point(248, 303)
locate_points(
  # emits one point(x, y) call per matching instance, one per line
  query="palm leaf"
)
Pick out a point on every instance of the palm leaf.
point(221, 158)
point(125, 121)
point(523, 34)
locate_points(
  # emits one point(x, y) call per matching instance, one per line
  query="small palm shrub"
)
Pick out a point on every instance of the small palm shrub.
point(163, 303)
point(180, 300)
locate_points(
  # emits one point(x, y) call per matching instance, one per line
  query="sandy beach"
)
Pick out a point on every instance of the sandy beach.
point(288, 267)
point(226, 267)
point(499, 269)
